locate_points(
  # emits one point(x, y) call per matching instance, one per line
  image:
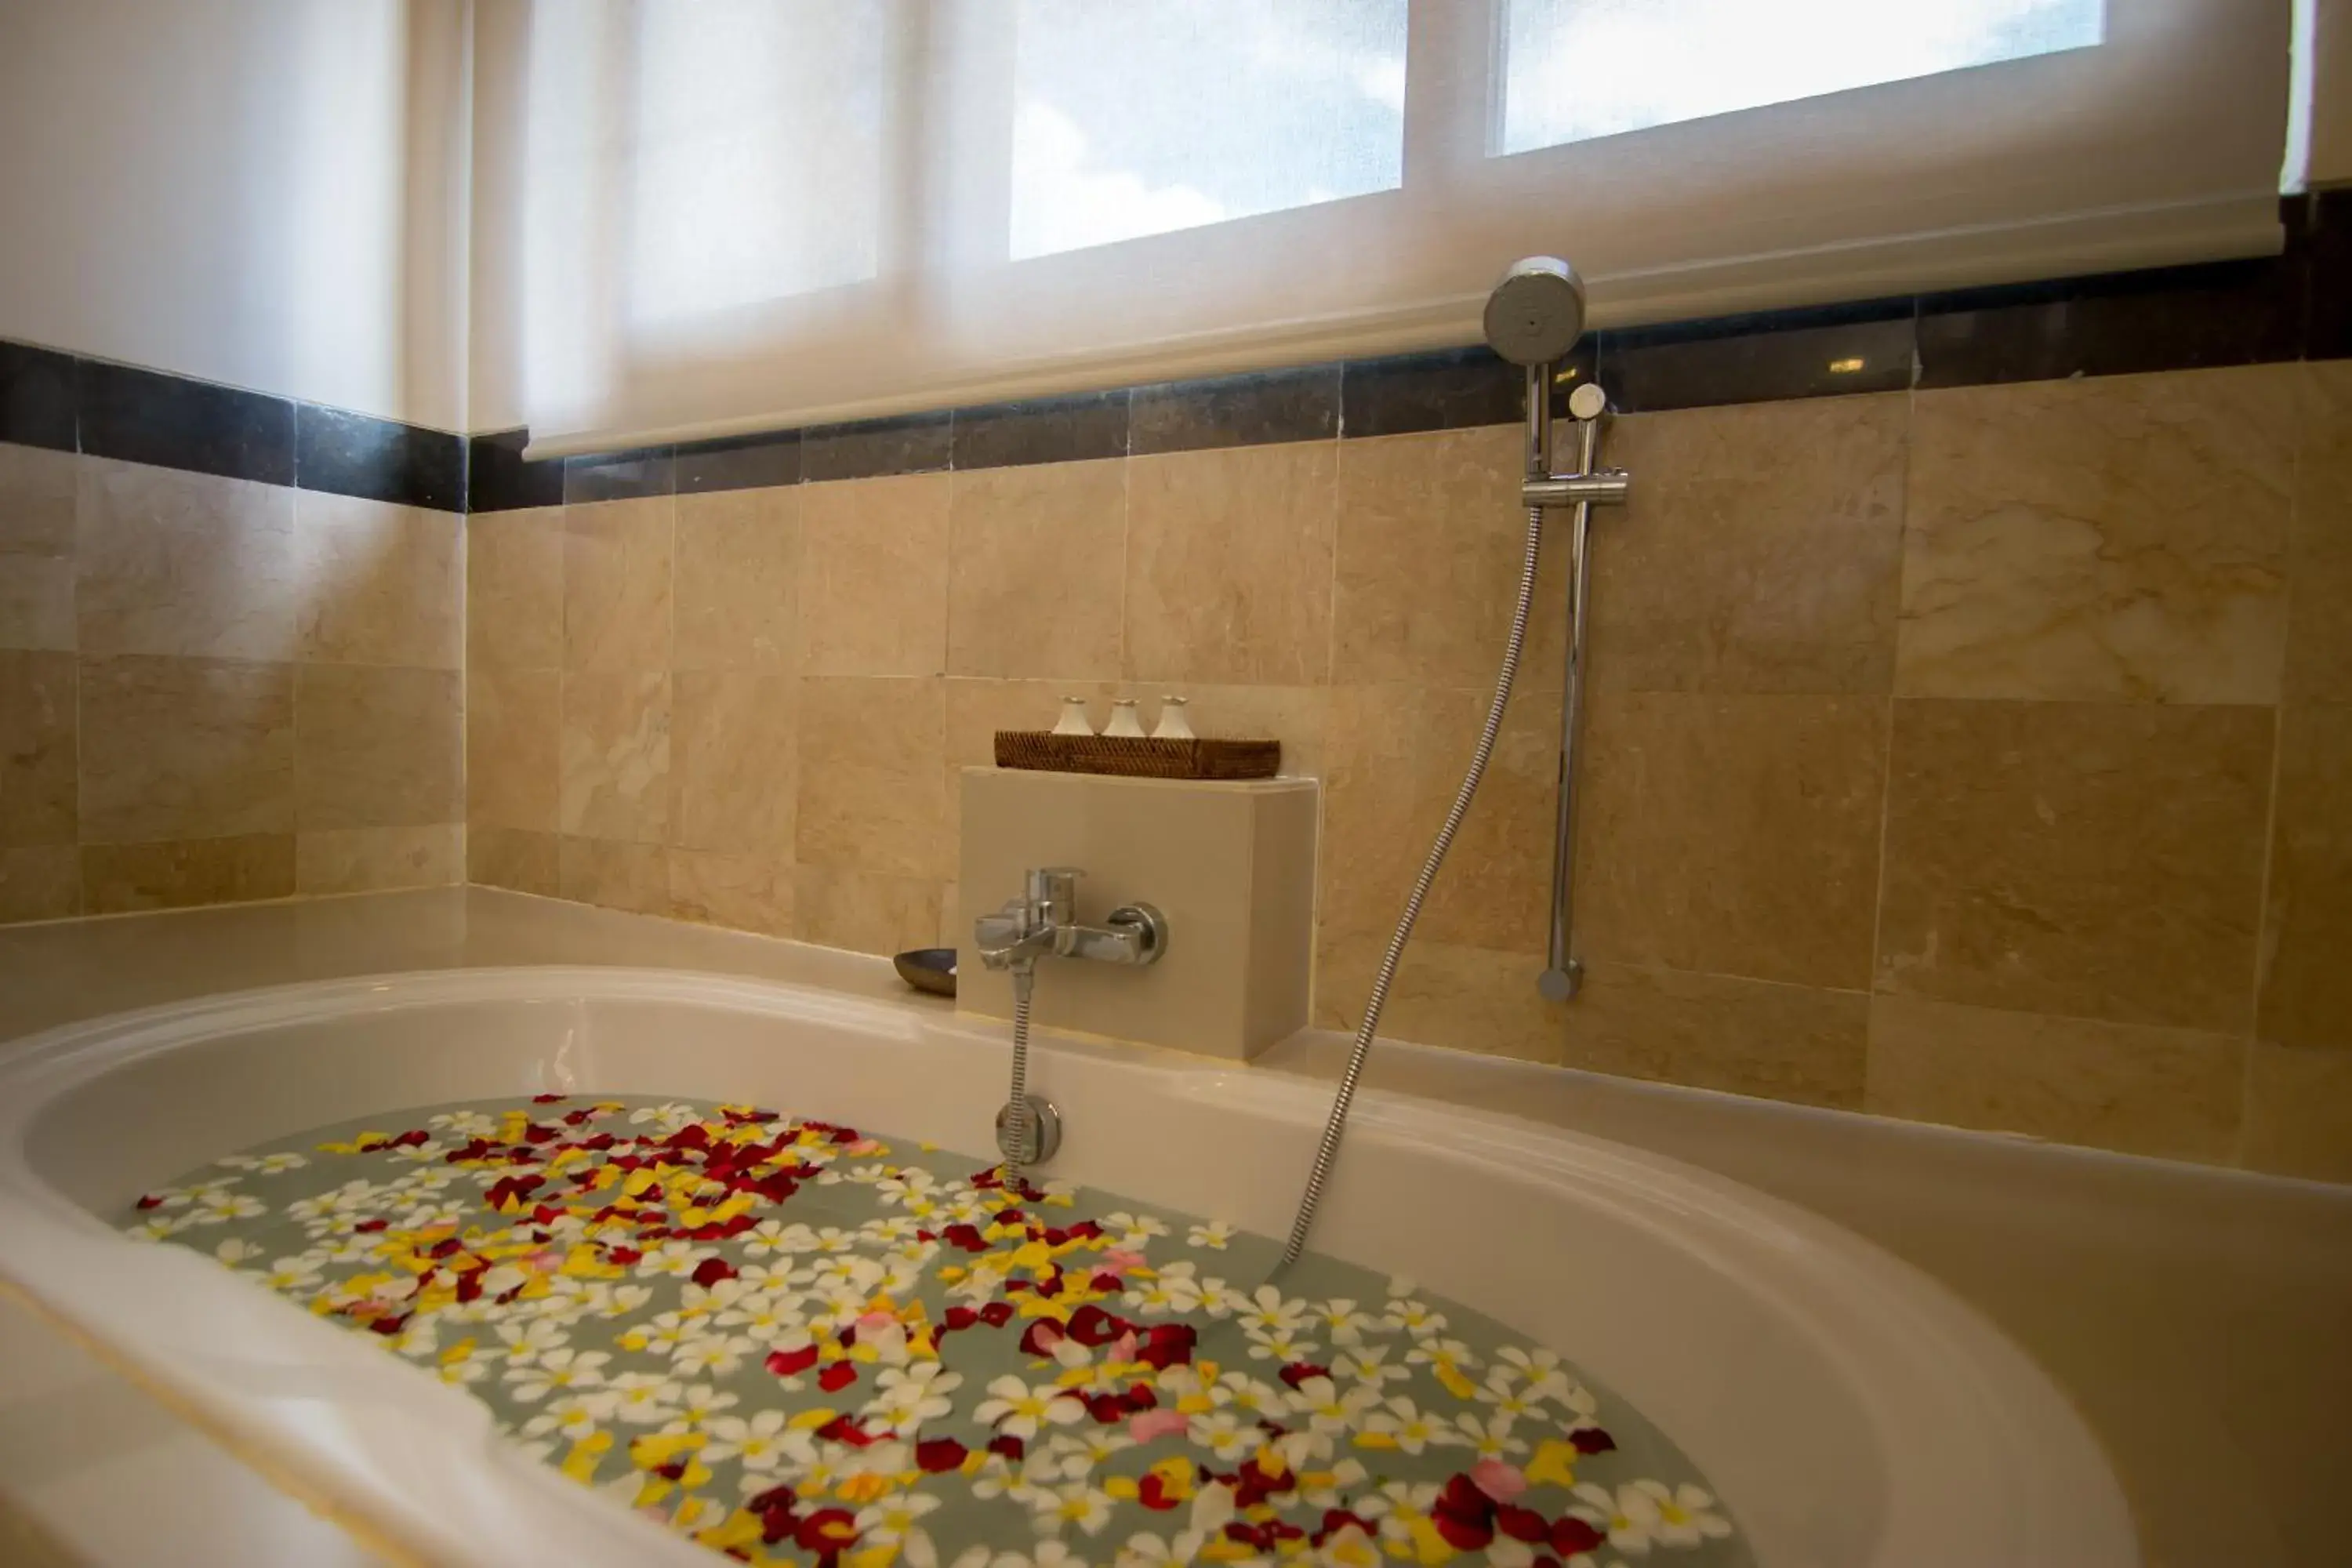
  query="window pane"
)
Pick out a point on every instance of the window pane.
point(759, 161)
point(1579, 68)
point(1151, 115)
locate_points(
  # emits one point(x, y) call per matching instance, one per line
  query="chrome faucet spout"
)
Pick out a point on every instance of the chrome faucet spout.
point(1042, 922)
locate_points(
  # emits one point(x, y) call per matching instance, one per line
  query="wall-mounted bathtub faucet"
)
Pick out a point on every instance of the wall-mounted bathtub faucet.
point(1044, 922)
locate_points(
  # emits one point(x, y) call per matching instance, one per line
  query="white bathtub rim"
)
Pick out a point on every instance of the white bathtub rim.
point(2063, 1500)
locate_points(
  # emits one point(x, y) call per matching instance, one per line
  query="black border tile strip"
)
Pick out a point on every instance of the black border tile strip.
point(37, 398)
point(170, 422)
point(909, 444)
point(620, 476)
point(2296, 305)
point(740, 462)
point(2174, 318)
point(499, 478)
point(1040, 430)
point(1449, 390)
point(1761, 359)
point(1247, 410)
point(381, 459)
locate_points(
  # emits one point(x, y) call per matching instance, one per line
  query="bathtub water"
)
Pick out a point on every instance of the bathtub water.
point(1845, 1410)
point(769, 1333)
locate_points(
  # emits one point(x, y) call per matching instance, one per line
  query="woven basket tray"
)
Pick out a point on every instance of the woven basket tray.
point(1134, 757)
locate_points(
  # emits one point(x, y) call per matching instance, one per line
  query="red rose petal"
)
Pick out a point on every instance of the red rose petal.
point(791, 1363)
point(1570, 1535)
point(935, 1456)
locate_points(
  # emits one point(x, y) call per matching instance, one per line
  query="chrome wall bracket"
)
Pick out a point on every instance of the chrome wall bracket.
point(1563, 974)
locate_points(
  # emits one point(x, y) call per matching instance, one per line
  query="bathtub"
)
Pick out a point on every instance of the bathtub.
point(1848, 1409)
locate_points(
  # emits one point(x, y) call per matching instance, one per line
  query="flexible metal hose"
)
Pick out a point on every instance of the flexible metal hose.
point(1016, 1127)
point(1328, 1151)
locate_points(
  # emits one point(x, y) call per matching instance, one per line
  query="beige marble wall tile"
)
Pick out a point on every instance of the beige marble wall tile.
point(615, 757)
point(738, 579)
point(737, 891)
point(1430, 543)
point(1795, 1043)
point(172, 562)
point(616, 876)
point(864, 911)
point(38, 748)
point(185, 748)
point(1734, 835)
point(514, 765)
point(2173, 1093)
point(1469, 998)
point(510, 857)
point(36, 548)
point(1036, 583)
point(40, 882)
point(378, 748)
point(514, 589)
point(2306, 982)
point(2100, 861)
point(874, 576)
point(873, 772)
point(381, 584)
point(1394, 759)
point(36, 601)
point(616, 585)
point(118, 878)
point(1229, 565)
point(2319, 613)
point(733, 763)
point(36, 499)
point(2299, 1112)
point(951, 920)
point(1759, 551)
point(378, 859)
point(2117, 538)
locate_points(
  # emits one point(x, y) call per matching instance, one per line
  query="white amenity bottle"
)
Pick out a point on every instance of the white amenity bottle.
point(1172, 725)
point(1073, 721)
point(1124, 721)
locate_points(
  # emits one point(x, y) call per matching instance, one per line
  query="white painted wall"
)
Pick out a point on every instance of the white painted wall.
point(267, 192)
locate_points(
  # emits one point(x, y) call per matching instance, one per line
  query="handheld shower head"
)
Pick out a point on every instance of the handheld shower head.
point(1537, 312)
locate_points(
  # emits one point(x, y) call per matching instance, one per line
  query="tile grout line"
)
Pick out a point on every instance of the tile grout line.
point(2278, 762)
point(1886, 764)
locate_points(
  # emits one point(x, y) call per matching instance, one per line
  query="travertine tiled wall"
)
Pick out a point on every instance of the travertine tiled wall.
point(214, 688)
point(1981, 755)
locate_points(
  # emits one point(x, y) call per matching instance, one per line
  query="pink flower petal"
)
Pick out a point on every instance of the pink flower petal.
point(1147, 1424)
point(1497, 1480)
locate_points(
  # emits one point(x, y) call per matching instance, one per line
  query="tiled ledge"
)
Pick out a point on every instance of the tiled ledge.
point(70, 403)
point(2296, 305)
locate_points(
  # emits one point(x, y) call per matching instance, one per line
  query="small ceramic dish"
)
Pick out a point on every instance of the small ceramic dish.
point(931, 969)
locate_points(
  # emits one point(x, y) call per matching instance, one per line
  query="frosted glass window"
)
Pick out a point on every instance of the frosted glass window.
point(1575, 69)
point(758, 173)
point(1150, 116)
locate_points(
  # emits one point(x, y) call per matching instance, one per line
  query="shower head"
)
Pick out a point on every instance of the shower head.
point(1537, 312)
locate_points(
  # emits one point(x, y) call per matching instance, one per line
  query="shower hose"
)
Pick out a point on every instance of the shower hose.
point(1327, 1151)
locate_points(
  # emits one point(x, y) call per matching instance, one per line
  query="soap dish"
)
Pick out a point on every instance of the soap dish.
point(931, 969)
point(1138, 756)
